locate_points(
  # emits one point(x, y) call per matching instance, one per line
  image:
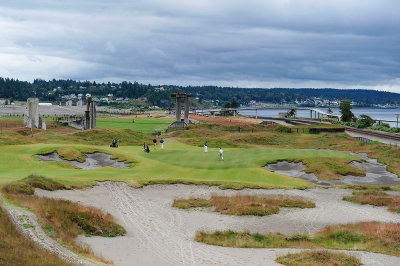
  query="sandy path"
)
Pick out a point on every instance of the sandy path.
point(26, 222)
point(158, 234)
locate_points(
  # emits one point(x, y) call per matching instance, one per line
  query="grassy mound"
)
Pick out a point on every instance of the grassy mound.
point(370, 187)
point(331, 168)
point(375, 198)
point(70, 154)
point(27, 185)
point(15, 249)
point(318, 258)
point(367, 236)
point(104, 136)
point(244, 204)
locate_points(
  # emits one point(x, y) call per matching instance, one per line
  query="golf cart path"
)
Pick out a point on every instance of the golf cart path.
point(27, 224)
point(158, 234)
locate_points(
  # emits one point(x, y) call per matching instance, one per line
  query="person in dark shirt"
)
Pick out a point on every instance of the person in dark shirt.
point(155, 143)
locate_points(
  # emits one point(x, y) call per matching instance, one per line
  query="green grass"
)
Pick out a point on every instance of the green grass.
point(27, 226)
point(177, 163)
point(141, 124)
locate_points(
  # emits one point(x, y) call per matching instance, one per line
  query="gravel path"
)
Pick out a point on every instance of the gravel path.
point(26, 222)
point(158, 234)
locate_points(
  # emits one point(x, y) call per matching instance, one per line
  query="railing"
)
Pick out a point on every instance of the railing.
point(362, 139)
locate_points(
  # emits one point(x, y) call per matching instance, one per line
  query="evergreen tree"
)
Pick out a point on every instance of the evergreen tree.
point(345, 110)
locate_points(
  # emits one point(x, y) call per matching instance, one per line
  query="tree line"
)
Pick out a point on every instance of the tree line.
point(21, 90)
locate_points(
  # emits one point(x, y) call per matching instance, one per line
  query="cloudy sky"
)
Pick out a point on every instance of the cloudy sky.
point(252, 43)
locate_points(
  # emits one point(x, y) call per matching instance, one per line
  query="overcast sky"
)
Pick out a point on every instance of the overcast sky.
point(252, 43)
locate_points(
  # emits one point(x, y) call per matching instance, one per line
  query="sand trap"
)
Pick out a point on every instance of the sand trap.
point(158, 234)
point(93, 160)
point(376, 173)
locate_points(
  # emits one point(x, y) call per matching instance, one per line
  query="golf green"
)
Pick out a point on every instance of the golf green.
point(177, 162)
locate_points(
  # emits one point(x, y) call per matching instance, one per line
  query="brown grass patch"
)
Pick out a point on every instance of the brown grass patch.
point(330, 168)
point(64, 221)
point(226, 120)
point(367, 236)
point(15, 249)
point(244, 204)
point(318, 258)
point(375, 198)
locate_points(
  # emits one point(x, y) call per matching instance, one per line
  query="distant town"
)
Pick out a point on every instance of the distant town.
point(137, 95)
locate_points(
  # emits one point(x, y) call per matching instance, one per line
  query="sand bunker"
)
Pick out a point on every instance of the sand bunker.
point(159, 234)
point(93, 160)
point(376, 173)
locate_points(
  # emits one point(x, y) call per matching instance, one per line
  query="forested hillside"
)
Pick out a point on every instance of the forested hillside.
point(52, 90)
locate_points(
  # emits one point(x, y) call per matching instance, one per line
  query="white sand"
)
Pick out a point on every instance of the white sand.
point(158, 234)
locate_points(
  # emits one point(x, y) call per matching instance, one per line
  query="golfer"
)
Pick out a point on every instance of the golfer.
point(155, 143)
point(162, 143)
point(205, 146)
point(221, 154)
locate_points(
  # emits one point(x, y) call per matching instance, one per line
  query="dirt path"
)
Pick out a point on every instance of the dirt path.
point(158, 234)
point(26, 222)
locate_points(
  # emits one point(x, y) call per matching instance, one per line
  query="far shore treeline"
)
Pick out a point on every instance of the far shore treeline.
point(159, 95)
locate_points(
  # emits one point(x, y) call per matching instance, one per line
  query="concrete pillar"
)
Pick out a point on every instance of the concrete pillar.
point(256, 113)
point(186, 109)
point(178, 109)
point(92, 115)
point(31, 118)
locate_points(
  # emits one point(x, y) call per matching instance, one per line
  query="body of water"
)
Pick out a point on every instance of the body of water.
point(377, 114)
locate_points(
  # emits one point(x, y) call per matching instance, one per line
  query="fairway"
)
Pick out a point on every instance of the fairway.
point(141, 124)
point(178, 162)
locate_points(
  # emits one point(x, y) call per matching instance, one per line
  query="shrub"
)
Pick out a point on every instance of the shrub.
point(283, 129)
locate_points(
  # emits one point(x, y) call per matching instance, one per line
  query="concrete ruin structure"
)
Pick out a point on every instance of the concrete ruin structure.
point(32, 118)
point(89, 120)
point(181, 123)
point(84, 121)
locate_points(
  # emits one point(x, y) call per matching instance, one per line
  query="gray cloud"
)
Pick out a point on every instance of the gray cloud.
point(310, 43)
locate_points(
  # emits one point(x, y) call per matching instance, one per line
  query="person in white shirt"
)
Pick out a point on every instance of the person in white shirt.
point(162, 143)
point(205, 146)
point(221, 154)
